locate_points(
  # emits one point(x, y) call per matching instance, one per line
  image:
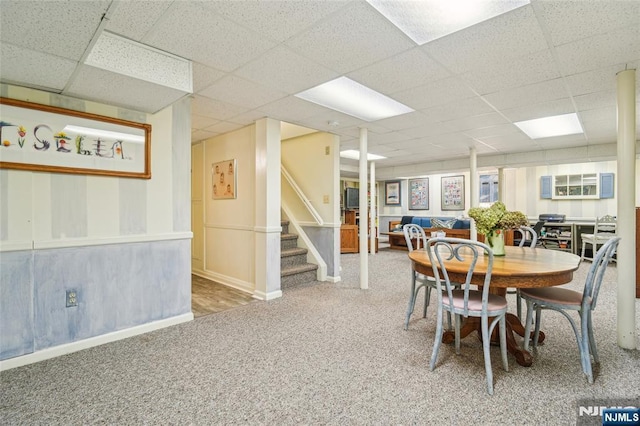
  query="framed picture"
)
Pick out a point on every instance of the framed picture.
point(392, 193)
point(453, 193)
point(419, 194)
point(51, 139)
point(224, 180)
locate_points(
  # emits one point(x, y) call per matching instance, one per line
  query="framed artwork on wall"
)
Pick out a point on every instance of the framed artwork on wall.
point(50, 139)
point(419, 194)
point(224, 180)
point(392, 193)
point(453, 193)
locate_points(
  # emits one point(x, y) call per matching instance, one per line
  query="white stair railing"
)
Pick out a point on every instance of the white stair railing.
point(302, 196)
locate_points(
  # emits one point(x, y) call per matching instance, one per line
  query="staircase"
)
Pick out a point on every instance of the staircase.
point(294, 268)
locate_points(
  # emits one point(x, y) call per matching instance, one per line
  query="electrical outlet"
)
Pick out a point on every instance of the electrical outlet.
point(325, 199)
point(72, 298)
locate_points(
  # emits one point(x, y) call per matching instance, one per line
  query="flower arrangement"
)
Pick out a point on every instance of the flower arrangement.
point(492, 219)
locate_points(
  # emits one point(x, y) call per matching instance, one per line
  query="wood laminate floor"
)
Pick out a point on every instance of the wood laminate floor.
point(208, 297)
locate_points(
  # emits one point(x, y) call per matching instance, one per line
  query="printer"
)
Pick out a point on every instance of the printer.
point(551, 217)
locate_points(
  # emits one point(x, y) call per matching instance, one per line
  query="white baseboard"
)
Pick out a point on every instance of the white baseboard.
point(68, 348)
point(260, 295)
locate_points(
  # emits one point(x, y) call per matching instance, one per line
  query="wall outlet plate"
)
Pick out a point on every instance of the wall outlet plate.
point(72, 298)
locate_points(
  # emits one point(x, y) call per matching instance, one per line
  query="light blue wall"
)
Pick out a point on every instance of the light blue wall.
point(118, 286)
point(322, 238)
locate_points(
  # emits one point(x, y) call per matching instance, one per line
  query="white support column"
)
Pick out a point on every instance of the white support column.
point(502, 185)
point(364, 262)
point(626, 187)
point(373, 212)
point(267, 227)
point(474, 189)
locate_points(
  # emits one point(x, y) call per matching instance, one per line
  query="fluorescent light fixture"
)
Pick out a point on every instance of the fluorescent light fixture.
point(107, 134)
point(355, 155)
point(558, 125)
point(350, 97)
point(427, 20)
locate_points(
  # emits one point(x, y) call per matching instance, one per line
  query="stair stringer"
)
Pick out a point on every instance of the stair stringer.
point(313, 256)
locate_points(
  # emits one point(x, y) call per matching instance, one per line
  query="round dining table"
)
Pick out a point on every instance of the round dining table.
point(520, 267)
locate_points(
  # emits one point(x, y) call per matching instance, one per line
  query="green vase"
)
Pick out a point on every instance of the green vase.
point(495, 239)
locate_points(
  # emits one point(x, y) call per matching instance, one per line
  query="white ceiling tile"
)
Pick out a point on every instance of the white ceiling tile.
point(223, 127)
point(543, 109)
point(116, 89)
point(200, 121)
point(285, 70)
point(241, 92)
point(405, 121)
point(357, 37)
point(247, 117)
point(605, 98)
point(215, 109)
point(24, 67)
point(278, 20)
point(435, 93)
point(433, 129)
point(201, 135)
point(530, 94)
point(417, 69)
point(210, 39)
point(593, 81)
point(504, 37)
point(60, 28)
point(596, 17)
point(524, 70)
point(476, 121)
point(456, 110)
point(204, 76)
point(492, 131)
point(133, 19)
point(292, 109)
point(621, 46)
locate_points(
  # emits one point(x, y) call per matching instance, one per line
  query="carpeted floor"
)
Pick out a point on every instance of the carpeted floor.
point(322, 354)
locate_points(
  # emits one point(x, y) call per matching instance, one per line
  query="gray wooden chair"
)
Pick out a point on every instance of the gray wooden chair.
point(529, 239)
point(604, 230)
point(564, 300)
point(465, 301)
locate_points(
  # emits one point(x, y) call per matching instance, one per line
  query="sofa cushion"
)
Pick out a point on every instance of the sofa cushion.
point(425, 222)
point(448, 223)
point(462, 224)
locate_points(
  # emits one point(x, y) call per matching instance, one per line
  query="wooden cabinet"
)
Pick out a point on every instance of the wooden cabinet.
point(349, 239)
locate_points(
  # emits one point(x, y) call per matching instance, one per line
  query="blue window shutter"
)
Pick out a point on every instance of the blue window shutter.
point(607, 185)
point(545, 186)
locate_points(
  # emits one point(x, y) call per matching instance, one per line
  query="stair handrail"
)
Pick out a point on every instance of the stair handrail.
point(302, 196)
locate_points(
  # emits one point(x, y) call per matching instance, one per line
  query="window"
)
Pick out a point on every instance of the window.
point(488, 188)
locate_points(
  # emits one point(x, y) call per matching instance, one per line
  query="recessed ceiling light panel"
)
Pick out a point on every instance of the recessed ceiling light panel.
point(558, 125)
point(352, 98)
point(355, 155)
point(427, 20)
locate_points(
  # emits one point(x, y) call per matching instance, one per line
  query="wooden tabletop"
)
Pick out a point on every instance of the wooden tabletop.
point(521, 267)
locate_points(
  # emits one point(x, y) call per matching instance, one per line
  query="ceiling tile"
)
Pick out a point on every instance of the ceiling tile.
point(60, 28)
point(278, 20)
point(417, 69)
point(596, 17)
point(492, 131)
point(593, 81)
point(24, 67)
point(530, 94)
point(116, 89)
point(204, 76)
point(605, 98)
point(543, 109)
point(600, 51)
point(214, 109)
point(285, 70)
point(504, 37)
point(292, 109)
point(200, 135)
point(244, 93)
point(456, 110)
point(200, 121)
point(473, 122)
point(133, 19)
point(357, 37)
point(210, 39)
point(435, 93)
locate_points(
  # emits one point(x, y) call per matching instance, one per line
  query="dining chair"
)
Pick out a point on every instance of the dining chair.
point(446, 254)
point(564, 300)
point(603, 230)
point(415, 233)
point(529, 238)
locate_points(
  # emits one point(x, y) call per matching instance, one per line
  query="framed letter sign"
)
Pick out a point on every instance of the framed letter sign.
point(51, 139)
point(453, 193)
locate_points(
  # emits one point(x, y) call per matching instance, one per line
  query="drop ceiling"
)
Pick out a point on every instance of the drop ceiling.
point(249, 59)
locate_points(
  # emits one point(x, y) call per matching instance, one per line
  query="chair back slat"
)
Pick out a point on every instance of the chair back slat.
point(605, 225)
point(596, 273)
point(446, 251)
point(528, 234)
point(413, 232)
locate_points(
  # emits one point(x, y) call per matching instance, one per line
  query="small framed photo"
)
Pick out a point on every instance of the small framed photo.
point(392, 193)
point(223, 180)
point(419, 194)
point(453, 193)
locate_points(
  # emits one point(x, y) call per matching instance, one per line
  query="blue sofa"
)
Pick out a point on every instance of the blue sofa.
point(425, 222)
point(461, 229)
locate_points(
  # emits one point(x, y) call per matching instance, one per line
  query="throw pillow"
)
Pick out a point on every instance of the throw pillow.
point(443, 223)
